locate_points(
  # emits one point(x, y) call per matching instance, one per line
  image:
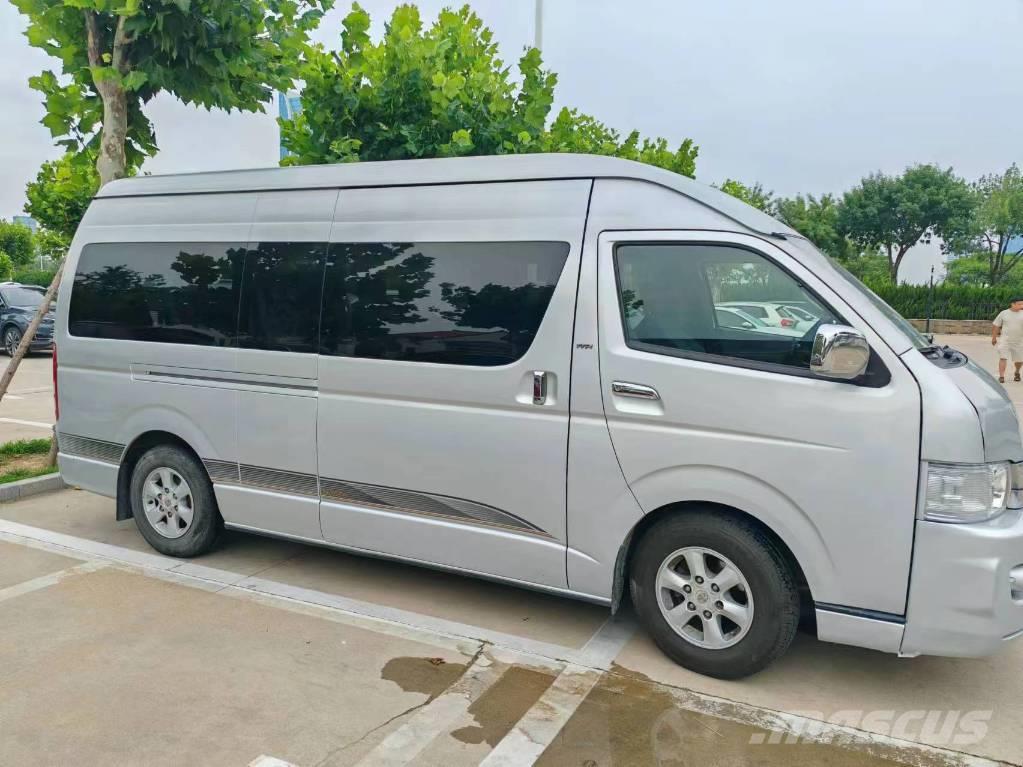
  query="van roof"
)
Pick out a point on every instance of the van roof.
point(460, 170)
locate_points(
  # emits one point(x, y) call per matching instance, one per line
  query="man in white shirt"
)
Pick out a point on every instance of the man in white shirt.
point(1007, 336)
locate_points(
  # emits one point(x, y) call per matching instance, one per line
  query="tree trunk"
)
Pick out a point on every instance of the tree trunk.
point(903, 249)
point(30, 333)
point(111, 161)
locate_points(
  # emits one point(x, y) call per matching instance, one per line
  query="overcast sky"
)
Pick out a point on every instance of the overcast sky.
point(801, 95)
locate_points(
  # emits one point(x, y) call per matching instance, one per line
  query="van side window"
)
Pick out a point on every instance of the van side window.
point(184, 293)
point(716, 302)
point(457, 303)
point(280, 297)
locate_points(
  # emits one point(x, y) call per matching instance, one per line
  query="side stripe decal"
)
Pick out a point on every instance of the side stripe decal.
point(340, 491)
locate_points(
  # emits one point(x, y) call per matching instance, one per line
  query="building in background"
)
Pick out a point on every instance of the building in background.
point(28, 221)
point(289, 106)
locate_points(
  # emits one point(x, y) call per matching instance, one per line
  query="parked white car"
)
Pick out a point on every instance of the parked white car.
point(732, 317)
point(771, 313)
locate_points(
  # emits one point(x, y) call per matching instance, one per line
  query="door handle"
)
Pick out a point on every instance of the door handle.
point(539, 387)
point(625, 389)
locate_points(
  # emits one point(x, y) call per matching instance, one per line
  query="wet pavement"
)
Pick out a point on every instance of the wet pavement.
point(270, 653)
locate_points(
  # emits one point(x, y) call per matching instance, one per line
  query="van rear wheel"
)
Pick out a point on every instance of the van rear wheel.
point(173, 503)
point(715, 592)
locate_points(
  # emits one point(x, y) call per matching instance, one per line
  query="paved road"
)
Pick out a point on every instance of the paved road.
point(26, 411)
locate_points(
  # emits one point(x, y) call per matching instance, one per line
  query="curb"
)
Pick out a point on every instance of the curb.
point(23, 488)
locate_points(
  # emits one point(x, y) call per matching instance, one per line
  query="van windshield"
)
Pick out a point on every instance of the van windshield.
point(915, 337)
point(15, 295)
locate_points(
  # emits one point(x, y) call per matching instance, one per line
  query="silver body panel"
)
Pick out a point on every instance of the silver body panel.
point(460, 468)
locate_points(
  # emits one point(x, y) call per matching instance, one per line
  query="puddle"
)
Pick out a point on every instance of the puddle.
point(429, 676)
point(503, 704)
point(625, 721)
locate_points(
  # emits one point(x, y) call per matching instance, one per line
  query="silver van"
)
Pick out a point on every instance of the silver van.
point(513, 368)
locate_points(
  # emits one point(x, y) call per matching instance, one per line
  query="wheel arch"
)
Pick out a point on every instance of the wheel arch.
point(623, 561)
point(135, 449)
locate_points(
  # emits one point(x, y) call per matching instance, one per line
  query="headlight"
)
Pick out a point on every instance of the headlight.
point(966, 492)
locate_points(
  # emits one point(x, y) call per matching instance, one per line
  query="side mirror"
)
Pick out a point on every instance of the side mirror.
point(839, 352)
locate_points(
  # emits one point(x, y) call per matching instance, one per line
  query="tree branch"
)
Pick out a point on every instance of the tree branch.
point(122, 41)
point(92, 32)
point(1012, 262)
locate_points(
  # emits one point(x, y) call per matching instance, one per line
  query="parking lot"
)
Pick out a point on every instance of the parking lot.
point(26, 411)
point(268, 652)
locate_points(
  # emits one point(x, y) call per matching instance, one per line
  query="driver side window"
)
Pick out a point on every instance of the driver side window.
point(716, 302)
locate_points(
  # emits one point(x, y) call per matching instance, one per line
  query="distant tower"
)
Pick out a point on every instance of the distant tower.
point(289, 106)
point(26, 221)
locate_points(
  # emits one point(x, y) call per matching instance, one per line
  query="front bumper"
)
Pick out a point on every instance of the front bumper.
point(966, 587)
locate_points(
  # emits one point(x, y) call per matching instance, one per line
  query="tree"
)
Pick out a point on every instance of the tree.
point(51, 245)
point(754, 195)
point(993, 234)
point(116, 55)
point(6, 267)
point(573, 131)
point(16, 242)
point(816, 218)
point(441, 91)
point(894, 213)
point(61, 192)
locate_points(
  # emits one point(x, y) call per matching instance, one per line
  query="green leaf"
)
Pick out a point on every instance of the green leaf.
point(135, 80)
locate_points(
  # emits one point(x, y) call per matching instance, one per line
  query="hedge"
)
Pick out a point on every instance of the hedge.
point(41, 277)
point(950, 302)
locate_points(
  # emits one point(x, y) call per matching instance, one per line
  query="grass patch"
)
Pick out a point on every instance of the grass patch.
point(15, 474)
point(24, 458)
point(24, 447)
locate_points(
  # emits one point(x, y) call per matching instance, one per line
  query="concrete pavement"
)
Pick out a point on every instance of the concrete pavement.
point(26, 411)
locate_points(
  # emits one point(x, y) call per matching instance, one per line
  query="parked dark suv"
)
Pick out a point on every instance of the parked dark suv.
point(18, 304)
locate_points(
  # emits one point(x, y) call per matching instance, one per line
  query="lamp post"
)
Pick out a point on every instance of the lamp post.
point(538, 25)
point(930, 303)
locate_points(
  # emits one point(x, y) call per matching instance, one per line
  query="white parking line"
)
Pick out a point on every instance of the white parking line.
point(540, 725)
point(22, 422)
point(269, 761)
point(436, 718)
point(43, 581)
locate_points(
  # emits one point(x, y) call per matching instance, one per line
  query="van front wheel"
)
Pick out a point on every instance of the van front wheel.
point(173, 503)
point(715, 593)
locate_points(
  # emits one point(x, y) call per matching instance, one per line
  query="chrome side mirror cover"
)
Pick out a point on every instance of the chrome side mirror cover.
point(839, 352)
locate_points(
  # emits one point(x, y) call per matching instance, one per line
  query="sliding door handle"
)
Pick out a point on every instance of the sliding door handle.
point(539, 387)
point(625, 389)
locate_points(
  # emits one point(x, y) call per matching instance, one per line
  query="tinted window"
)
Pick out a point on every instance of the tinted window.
point(465, 303)
point(672, 298)
point(15, 295)
point(174, 293)
point(280, 300)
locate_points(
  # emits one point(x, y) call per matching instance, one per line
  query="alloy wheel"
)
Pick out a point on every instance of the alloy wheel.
point(168, 503)
point(704, 597)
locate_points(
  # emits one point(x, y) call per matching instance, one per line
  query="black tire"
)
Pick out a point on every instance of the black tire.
point(12, 339)
point(758, 558)
point(206, 524)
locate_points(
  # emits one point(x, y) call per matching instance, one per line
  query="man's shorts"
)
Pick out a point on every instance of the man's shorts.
point(1010, 350)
